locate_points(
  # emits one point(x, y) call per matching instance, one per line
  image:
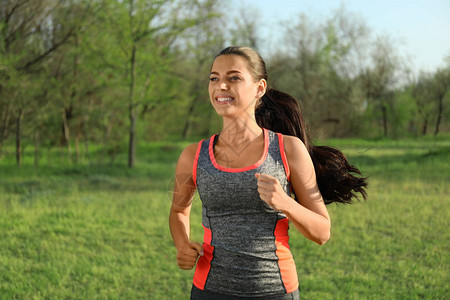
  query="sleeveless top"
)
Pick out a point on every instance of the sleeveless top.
point(246, 250)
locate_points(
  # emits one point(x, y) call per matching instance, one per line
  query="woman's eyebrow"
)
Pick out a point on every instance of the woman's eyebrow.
point(228, 72)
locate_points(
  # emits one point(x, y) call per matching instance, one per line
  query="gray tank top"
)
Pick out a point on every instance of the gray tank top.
point(246, 250)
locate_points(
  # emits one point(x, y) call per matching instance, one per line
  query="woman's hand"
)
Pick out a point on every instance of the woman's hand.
point(271, 192)
point(188, 254)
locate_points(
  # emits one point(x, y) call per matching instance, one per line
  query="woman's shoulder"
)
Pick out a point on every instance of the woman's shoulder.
point(292, 142)
point(294, 148)
point(189, 152)
point(188, 155)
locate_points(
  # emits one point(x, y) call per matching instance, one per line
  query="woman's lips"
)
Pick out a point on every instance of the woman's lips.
point(224, 100)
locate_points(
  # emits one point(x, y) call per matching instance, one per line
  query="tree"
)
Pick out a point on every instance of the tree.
point(380, 79)
point(320, 68)
point(245, 28)
point(441, 83)
point(422, 92)
point(144, 31)
point(28, 38)
point(200, 44)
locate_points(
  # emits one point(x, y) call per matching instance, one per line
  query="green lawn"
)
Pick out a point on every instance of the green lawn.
point(101, 232)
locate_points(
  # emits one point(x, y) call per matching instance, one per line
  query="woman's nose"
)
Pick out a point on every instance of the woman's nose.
point(223, 86)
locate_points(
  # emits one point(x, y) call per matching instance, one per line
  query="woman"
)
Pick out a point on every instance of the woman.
point(245, 176)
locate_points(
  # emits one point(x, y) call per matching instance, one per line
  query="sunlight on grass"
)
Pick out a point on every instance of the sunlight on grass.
point(85, 232)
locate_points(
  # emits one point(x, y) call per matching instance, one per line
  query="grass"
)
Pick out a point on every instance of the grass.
point(101, 231)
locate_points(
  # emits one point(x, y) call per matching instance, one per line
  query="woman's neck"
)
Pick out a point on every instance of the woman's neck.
point(239, 131)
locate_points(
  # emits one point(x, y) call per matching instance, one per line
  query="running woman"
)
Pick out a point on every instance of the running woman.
point(253, 178)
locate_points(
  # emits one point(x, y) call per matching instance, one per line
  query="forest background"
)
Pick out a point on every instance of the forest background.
point(99, 97)
point(77, 74)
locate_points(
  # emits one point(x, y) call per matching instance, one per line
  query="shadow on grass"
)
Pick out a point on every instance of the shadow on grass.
point(421, 158)
point(426, 166)
point(29, 181)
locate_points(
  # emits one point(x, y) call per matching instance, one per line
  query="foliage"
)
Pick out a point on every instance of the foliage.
point(114, 73)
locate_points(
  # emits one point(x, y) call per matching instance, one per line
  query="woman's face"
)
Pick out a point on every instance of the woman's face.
point(232, 89)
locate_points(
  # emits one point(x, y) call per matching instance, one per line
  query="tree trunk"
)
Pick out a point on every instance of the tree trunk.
point(425, 126)
point(85, 131)
point(77, 149)
point(132, 142)
point(18, 125)
point(439, 117)
point(5, 121)
point(73, 94)
point(194, 91)
point(106, 134)
point(131, 110)
point(187, 124)
point(105, 146)
point(384, 112)
point(86, 150)
point(66, 131)
point(36, 148)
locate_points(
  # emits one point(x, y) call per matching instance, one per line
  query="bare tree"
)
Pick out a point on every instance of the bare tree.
point(319, 66)
point(382, 77)
point(441, 88)
point(245, 28)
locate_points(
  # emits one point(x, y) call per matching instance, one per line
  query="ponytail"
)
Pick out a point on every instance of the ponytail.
point(280, 112)
point(336, 178)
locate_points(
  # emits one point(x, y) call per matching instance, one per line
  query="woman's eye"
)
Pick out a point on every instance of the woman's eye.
point(213, 79)
point(234, 78)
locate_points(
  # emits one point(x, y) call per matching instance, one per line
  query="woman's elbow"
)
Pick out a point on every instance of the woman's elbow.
point(324, 234)
point(325, 237)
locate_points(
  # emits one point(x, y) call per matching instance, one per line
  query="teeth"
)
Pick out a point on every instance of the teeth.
point(223, 99)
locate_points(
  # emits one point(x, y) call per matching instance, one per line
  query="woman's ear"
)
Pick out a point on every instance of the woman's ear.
point(262, 86)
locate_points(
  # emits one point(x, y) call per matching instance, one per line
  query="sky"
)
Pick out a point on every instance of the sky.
point(420, 27)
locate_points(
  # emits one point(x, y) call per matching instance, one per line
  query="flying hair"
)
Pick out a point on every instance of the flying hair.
point(338, 181)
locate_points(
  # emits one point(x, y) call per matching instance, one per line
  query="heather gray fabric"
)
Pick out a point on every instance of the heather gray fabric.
point(244, 259)
point(197, 294)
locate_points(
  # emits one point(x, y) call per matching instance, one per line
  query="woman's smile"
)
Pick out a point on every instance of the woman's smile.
point(224, 99)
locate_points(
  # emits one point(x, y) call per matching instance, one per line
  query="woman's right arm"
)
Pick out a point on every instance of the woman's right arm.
point(184, 189)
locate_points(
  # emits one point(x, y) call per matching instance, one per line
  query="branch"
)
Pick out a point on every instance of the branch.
point(8, 16)
point(144, 33)
point(50, 50)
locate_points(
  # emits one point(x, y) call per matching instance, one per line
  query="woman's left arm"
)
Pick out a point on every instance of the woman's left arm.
point(309, 215)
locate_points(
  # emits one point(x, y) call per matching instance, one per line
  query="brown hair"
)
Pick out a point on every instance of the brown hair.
point(280, 112)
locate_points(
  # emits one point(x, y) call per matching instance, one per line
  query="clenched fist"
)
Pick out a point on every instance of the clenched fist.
point(188, 254)
point(271, 192)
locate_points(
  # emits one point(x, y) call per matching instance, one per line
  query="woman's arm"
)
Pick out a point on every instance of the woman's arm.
point(309, 215)
point(184, 189)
